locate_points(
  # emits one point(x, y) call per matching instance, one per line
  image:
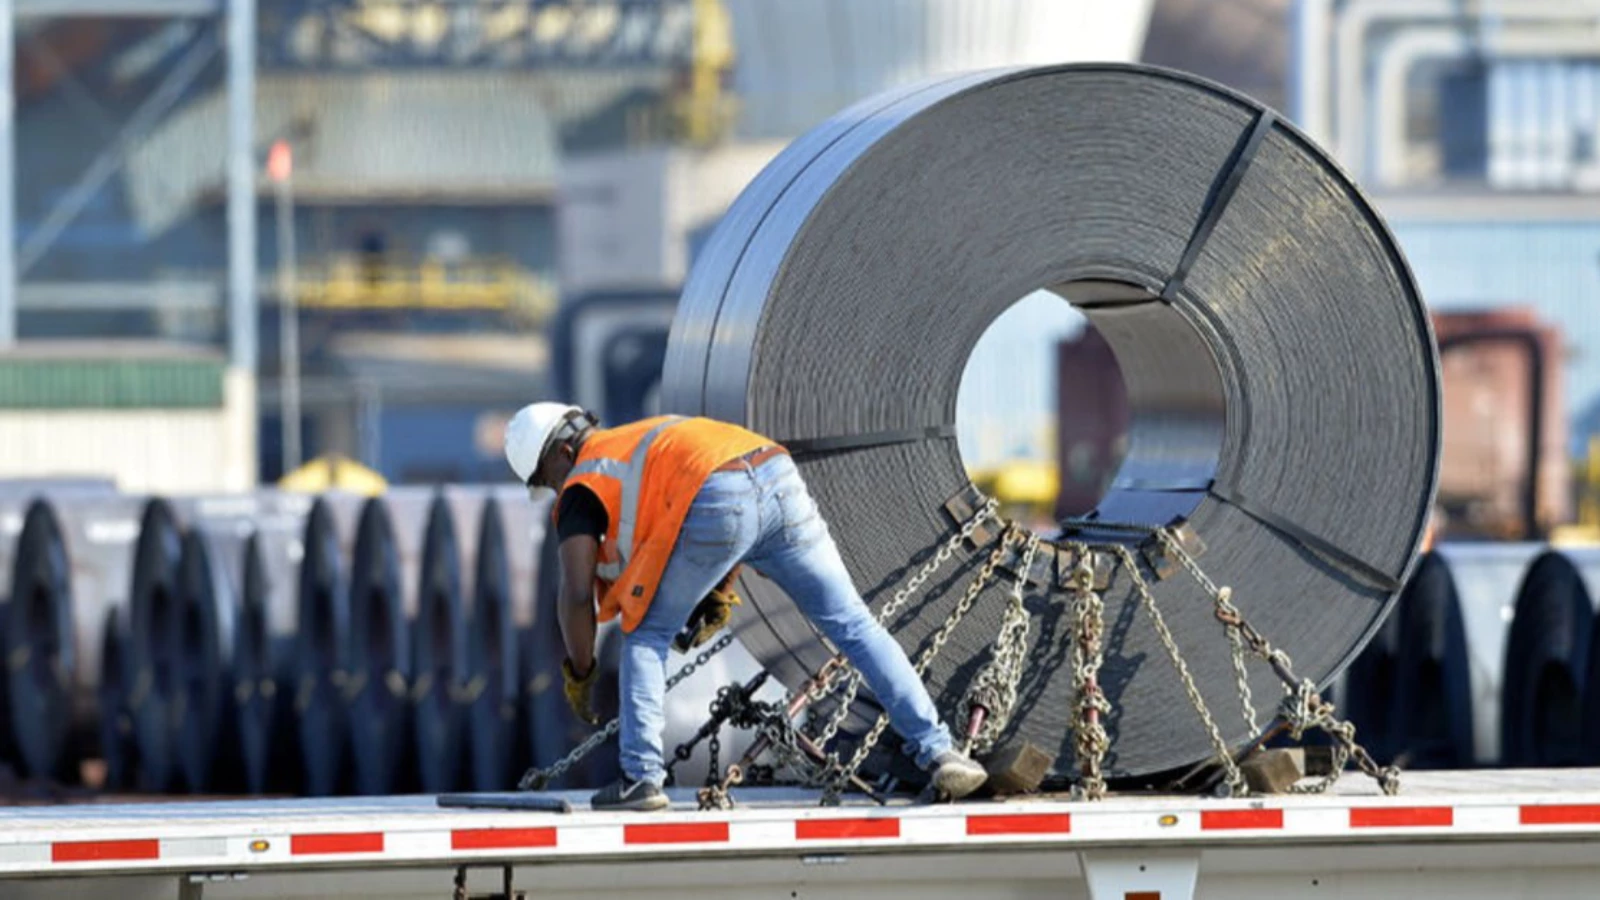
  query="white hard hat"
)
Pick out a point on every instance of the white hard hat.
point(530, 430)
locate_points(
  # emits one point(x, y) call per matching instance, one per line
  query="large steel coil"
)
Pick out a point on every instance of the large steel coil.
point(119, 753)
point(1546, 663)
point(551, 728)
point(1487, 578)
point(269, 729)
point(380, 656)
point(443, 683)
point(253, 688)
point(383, 602)
point(216, 736)
point(1281, 372)
point(321, 654)
point(1367, 690)
point(544, 728)
point(158, 645)
point(73, 564)
point(205, 736)
point(13, 505)
point(510, 530)
point(1591, 699)
point(1432, 688)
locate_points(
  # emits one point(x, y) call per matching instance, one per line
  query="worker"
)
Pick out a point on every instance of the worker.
point(652, 517)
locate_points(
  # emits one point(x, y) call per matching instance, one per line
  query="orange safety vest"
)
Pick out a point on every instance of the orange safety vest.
point(646, 474)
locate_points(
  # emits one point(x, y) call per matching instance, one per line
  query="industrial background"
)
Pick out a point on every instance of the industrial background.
point(461, 177)
point(248, 244)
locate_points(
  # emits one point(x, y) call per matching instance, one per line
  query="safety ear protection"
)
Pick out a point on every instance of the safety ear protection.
point(570, 428)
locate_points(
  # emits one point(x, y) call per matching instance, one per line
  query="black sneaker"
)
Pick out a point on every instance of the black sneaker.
point(636, 796)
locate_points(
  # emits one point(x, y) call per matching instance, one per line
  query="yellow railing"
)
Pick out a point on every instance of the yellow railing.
point(351, 283)
point(683, 119)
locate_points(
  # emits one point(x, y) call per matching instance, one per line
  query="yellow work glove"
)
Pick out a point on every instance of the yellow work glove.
point(580, 691)
point(711, 615)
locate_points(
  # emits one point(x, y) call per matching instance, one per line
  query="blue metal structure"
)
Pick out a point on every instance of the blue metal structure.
point(165, 59)
point(124, 156)
point(1552, 267)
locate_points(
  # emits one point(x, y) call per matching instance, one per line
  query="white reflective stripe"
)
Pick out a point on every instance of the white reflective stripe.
point(610, 468)
point(631, 473)
point(632, 484)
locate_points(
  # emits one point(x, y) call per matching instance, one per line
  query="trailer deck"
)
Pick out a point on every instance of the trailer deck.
point(1537, 825)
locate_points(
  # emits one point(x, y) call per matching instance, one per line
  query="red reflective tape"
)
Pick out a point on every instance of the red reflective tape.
point(1561, 815)
point(1240, 819)
point(833, 829)
point(312, 844)
point(104, 851)
point(1402, 817)
point(501, 838)
point(676, 833)
point(1041, 823)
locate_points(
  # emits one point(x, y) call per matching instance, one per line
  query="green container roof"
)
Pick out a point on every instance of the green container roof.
point(116, 383)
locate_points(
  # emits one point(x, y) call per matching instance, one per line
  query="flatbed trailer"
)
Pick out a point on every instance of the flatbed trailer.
point(1499, 834)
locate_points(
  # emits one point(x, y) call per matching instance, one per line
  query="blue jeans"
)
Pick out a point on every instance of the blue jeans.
point(765, 518)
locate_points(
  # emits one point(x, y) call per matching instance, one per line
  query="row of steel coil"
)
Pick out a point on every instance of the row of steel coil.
point(287, 644)
point(1491, 657)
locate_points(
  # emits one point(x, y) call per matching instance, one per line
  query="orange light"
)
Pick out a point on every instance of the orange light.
point(280, 161)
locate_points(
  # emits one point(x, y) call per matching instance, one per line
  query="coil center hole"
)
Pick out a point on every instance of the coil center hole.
point(1091, 399)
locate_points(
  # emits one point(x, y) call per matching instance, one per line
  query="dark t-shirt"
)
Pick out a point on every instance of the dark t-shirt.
point(579, 511)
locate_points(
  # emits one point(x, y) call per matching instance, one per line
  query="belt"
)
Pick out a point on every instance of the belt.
point(752, 459)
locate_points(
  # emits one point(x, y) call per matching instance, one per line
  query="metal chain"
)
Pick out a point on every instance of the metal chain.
point(736, 705)
point(785, 748)
point(714, 762)
point(1247, 701)
point(842, 776)
point(994, 690)
point(841, 709)
point(1302, 708)
point(942, 556)
point(1222, 597)
point(820, 688)
point(536, 779)
point(1089, 703)
point(1235, 778)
